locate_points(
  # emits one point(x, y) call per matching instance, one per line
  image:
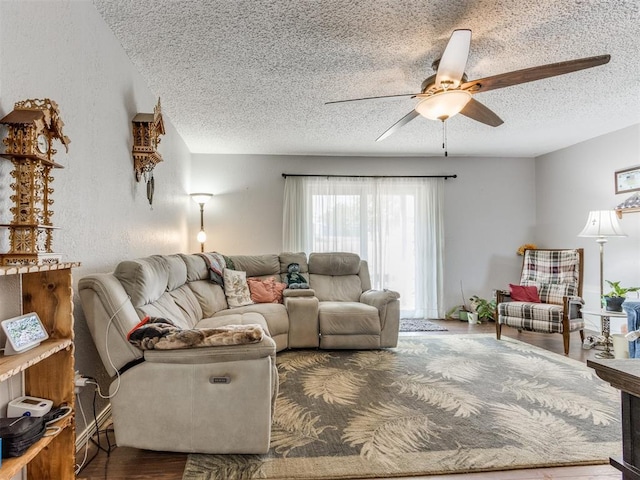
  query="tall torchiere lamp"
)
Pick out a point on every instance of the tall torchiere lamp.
point(201, 199)
point(602, 224)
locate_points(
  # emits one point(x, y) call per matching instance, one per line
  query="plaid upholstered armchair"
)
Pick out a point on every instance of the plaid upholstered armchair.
point(548, 297)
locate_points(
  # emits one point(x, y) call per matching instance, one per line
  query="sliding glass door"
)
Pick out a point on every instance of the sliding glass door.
point(395, 223)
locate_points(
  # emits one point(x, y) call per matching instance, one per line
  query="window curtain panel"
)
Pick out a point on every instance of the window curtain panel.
point(395, 223)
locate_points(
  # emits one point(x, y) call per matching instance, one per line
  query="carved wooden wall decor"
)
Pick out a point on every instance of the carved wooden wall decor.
point(147, 128)
point(32, 126)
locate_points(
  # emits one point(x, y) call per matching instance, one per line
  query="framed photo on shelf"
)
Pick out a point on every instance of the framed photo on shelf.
point(628, 180)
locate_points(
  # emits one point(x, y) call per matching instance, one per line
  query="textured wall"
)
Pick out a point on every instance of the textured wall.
point(63, 50)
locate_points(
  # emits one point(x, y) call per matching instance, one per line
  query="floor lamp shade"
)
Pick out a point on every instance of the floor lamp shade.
point(600, 225)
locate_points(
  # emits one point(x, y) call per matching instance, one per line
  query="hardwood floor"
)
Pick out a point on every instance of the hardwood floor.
point(125, 463)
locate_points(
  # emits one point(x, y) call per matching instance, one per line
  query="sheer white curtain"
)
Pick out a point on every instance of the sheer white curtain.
point(394, 223)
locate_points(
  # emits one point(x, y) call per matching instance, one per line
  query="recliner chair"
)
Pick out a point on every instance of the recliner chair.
point(350, 313)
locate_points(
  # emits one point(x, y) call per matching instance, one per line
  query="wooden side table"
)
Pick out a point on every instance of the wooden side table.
point(624, 374)
point(605, 324)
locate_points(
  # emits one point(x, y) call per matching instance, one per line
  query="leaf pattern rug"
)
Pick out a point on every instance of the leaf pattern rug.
point(433, 405)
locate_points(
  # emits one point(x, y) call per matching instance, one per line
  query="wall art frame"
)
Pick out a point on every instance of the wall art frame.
point(628, 179)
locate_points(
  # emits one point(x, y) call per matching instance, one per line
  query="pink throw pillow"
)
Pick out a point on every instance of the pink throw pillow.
point(265, 291)
point(521, 293)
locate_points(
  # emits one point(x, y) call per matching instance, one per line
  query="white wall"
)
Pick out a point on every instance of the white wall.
point(575, 180)
point(63, 50)
point(489, 208)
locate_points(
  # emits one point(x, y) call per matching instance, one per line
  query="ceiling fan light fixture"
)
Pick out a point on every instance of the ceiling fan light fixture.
point(443, 105)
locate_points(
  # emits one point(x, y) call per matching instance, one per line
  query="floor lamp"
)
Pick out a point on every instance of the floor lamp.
point(602, 224)
point(201, 199)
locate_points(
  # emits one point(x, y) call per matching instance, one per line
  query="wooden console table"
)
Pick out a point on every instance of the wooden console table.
point(624, 374)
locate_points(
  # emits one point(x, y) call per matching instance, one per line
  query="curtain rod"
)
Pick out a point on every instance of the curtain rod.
point(285, 175)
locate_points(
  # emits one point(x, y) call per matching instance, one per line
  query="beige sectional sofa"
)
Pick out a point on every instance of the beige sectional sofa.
point(220, 399)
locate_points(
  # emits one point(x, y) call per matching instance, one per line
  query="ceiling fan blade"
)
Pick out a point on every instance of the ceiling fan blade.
point(479, 112)
point(373, 98)
point(400, 123)
point(534, 73)
point(454, 59)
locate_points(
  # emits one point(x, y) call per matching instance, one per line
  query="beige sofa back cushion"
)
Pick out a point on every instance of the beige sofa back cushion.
point(334, 263)
point(334, 276)
point(196, 267)
point(156, 285)
point(257, 265)
point(144, 279)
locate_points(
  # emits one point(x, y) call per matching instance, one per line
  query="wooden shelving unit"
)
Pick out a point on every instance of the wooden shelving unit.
point(48, 368)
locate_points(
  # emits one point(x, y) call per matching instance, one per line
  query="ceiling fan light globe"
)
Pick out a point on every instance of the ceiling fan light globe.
point(444, 104)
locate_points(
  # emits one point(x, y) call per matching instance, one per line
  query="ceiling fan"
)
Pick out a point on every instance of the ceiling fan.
point(448, 92)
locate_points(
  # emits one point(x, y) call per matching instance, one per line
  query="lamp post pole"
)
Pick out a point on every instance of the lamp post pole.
point(601, 241)
point(202, 228)
point(201, 199)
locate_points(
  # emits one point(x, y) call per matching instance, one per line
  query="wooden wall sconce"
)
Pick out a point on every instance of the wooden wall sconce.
point(147, 128)
point(32, 126)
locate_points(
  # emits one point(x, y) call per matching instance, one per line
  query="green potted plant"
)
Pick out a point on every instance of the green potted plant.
point(484, 308)
point(615, 298)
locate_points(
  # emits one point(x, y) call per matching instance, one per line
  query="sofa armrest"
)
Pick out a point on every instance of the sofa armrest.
point(201, 355)
point(388, 305)
point(298, 292)
point(303, 321)
point(379, 298)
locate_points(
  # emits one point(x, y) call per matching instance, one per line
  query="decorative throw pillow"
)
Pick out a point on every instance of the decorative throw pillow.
point(265, 291)
point(236, 289)
point(522, 293)
point(278, 288)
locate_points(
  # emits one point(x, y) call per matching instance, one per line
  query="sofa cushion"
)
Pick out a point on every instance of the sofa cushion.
point(288, 258)
point(236, 289)
point(165, 307)
point(144, 279)
point(196, 267)
point(344, 288)
point(176, 269)
point(188, 304)
point(348, 318)
point(275, 315)
point(334, 263)
point(257, 265)
point(539, 317)
point(210, 296)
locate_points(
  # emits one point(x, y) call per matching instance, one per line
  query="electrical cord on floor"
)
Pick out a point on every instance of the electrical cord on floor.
point(97, 433)
point(110, 447)
point(86, 446)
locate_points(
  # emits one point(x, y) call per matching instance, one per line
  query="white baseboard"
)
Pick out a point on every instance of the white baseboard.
point(90, 430)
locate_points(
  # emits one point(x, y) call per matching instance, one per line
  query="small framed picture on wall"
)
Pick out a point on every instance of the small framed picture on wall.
point(628, 179)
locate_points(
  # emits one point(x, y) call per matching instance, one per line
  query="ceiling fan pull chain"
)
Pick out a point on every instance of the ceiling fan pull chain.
point(444, 138)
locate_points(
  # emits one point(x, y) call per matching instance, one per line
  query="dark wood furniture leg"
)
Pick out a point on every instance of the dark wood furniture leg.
point(625, 376)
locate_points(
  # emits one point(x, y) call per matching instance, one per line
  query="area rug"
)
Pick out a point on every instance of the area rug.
point(433, 405)
point(419, 325)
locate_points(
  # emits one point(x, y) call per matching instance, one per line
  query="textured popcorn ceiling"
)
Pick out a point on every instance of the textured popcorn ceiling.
point(252, 76)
